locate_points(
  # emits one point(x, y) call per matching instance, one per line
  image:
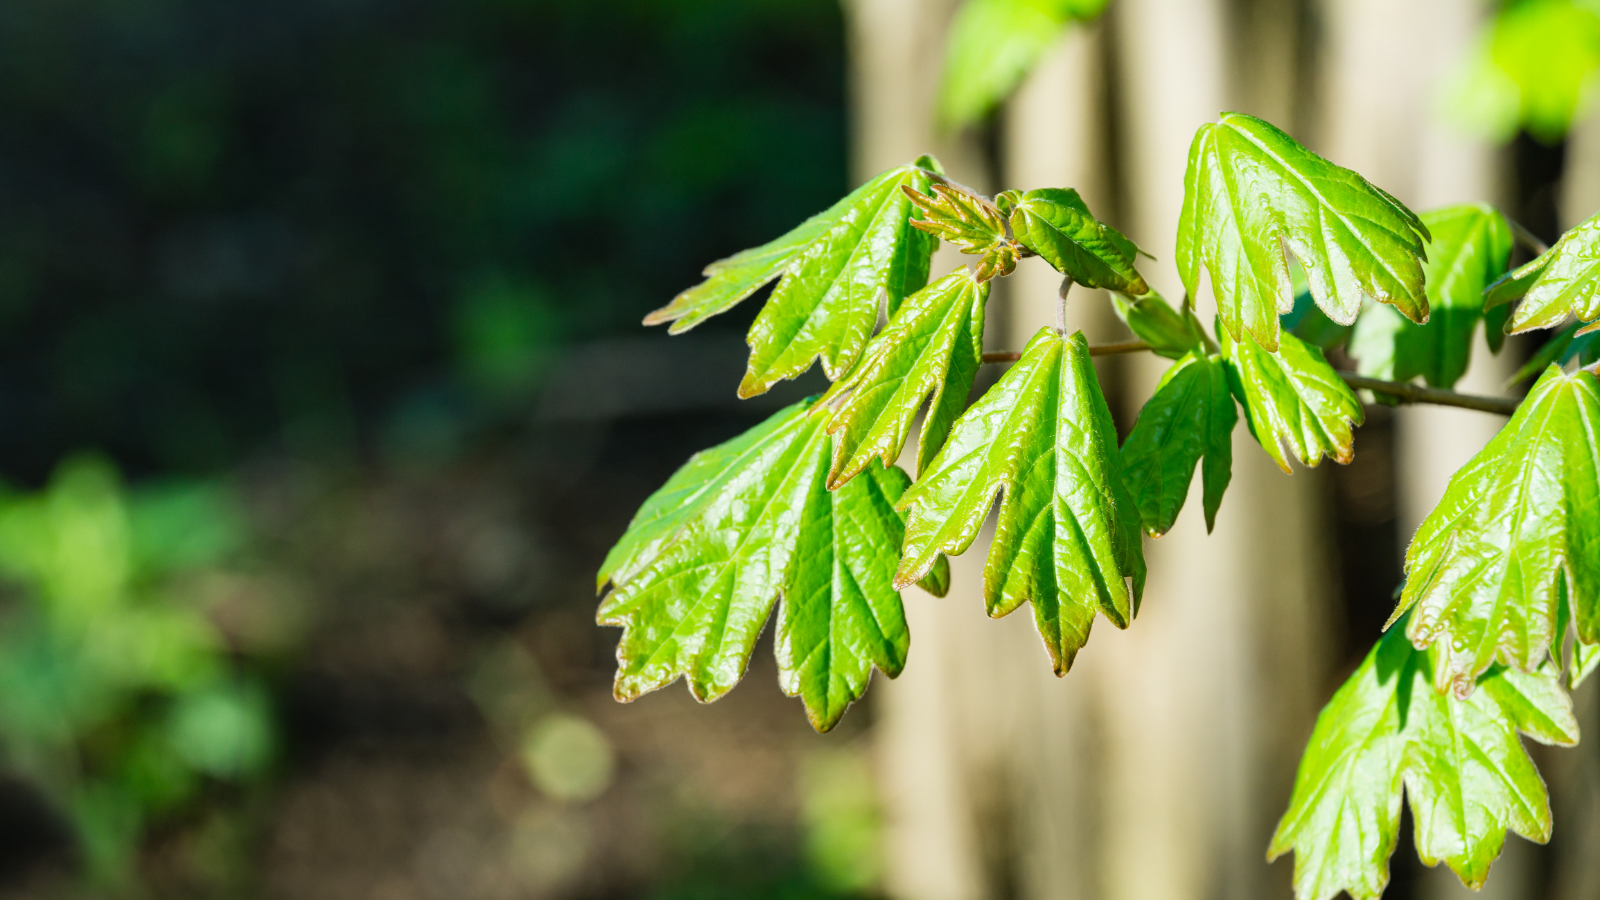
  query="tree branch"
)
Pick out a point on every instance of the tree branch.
point(1416, 393)
point(1405, 393)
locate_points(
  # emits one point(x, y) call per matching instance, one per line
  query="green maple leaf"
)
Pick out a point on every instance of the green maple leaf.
point(1056, 224)
point(1470, 248)
point(740, 526)
point(1191, 415)
point(1484, 567)
point(1293, 399)
point(1067, 539)
point(992, 46)
point(1252, 195)
point(1153, 320)
point(1468, 777)
point(932, 346)
point(837, 268)
point(1565, 280)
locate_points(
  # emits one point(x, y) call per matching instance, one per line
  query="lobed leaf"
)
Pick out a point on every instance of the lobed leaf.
point(1385, 733)
point(1191, 415)
point(931, 348)
point(1253, 195)
point(1485, 567)
point(1056, 224)
point(836, 269)
point(1292, 399)
point(1470, 248)
point(993, 44)
point(740, 527)
point(1563, 281)
point(1067, 539)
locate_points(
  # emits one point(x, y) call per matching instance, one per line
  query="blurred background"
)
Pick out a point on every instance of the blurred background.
point(322, 395)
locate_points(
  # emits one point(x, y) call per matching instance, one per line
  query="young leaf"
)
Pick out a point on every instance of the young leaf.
point(932, 346)
point(1564, 281)
point(1155, 322)
point(1310, 324)
point(695, 577)
point(1292, 398)
point(835, 267)
point(1470, 248)
point(970, 222)
point(1252, 195)
point(1068, 534)
point(993, 44)
point(1467, 774)
point(1191, 415)
point(1056, 224)
point(1563, 347)
point(1483, 568)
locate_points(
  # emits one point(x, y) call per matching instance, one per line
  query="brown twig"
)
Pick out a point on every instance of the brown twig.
point(1405, 393)
point(1416, 393)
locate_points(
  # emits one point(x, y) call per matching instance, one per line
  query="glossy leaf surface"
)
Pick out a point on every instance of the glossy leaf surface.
point(1563, 281)
point(1468, 776)
point(1190, 416)
point(1252, 195)
point(1471, 247)
point(836, 269)
point(993, 44)
point(1067, 539)
point(1483, 568)
point(931, 348)
point(1056, 224)
point(740, 526)
point(1153, 320)
point(970, 222)
point(1292, 399)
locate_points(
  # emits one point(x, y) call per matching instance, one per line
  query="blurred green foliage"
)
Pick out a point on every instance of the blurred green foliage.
point(228, 225)
point(118, 695)
point(1536, 68)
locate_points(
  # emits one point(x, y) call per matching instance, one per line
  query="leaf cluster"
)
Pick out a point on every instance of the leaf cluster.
point(809, 519)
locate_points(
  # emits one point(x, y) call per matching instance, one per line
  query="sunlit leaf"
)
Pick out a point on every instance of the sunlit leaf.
point(1484, 567)
point(1190, 416)
point(837, 268)
point(736, 529)
point(930, 349)
point(1386, 732)
point(1563, 281)
point(1252, 195)
point(1056, 224)
point(1292, 399)
point(970, 222)
point(1469, 249)
point(1068, 533)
